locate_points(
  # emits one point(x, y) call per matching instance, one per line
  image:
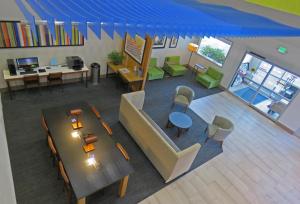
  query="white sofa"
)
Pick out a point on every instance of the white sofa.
point(167, 158)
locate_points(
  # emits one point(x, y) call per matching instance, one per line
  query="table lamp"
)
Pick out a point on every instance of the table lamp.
point(76, 124)
point(192, 47)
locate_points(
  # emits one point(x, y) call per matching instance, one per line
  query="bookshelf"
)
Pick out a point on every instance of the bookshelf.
point(17, 34)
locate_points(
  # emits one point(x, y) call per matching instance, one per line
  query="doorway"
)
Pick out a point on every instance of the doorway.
point(264, 86)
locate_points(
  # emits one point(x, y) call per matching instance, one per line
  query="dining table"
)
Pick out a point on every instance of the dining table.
point(110, 164)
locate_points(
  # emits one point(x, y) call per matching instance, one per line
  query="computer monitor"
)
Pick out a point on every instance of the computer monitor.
point(27, 63)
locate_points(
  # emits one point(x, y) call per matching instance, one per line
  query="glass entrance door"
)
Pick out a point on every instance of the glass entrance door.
point(249, 78)
point(265, 86)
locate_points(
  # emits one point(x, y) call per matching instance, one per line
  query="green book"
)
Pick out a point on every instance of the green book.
point(73, 35)
point(1, 39)
point(12, 38)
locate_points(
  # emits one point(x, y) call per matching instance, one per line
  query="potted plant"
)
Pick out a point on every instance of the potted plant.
point(115, 57)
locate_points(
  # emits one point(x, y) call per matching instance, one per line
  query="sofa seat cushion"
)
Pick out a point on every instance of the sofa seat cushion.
point(177, 67)
point(161, 132)
point(180, 99)
point(206, 78)
point(155, 71)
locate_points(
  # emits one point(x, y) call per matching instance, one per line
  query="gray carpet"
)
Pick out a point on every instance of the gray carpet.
point(35, 178)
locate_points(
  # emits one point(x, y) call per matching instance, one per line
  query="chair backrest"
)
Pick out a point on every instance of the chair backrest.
point(63, 172)
point(225, 127)
point(96, 112)
point(214, 73)
point(55, 76)
point(123, 151)
point(107, 128)
point(44, 124)
point(31, 78)
point(51, 145)
point(173, 60)
point(185, 91)
point(153, 62)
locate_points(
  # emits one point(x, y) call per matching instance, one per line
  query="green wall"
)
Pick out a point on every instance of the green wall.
point(289, 6)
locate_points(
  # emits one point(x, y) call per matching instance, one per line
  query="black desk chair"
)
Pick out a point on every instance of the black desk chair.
point(55, 79)
point(31, 80)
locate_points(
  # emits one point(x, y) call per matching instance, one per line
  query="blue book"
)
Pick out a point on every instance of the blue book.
point(16, 34)
point(47, 35)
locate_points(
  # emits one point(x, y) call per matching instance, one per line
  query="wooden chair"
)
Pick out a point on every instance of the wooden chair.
point(123, 151)
point(55, 79)
point(67, 185)
point(31, 80)
point(103, 123)
point(96, 112)
point(45, 127)
point(53, 152)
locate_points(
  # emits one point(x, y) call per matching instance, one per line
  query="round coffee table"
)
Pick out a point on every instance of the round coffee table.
point(180, 120)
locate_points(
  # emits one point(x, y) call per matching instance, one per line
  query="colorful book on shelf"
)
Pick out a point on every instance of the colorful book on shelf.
point(2, 43)
point(10, 29)
point(5, 34)
point(24, 35)
point(29, 35)
point(18, 34)
point(15, 26)
point(38, 34)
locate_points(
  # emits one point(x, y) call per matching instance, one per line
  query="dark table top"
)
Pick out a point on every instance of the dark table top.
point(180, 120)
point(85, 180)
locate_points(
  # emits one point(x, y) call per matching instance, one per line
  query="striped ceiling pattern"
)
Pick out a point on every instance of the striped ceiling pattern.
point(153, 17)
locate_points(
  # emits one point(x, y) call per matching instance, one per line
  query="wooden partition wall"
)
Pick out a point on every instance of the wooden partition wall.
point(130, 63)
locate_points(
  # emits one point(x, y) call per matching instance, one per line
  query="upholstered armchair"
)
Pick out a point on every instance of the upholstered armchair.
point(155, 72)
point(219, 129)
point(277, 107)
point(173, 67)
point(183, 96)
point(211, 78)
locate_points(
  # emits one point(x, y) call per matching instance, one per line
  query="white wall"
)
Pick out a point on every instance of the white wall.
point(180, 50)
point(7, 192)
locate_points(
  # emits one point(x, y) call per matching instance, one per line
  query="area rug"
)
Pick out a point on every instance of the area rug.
point(248, 93)
point(35, 178)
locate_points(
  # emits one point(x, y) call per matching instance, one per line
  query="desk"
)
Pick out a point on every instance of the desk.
point(65, 70)
point(113, 67)
point(131, 78)
point(86, 180)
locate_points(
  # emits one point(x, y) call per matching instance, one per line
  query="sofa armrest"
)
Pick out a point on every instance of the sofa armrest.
point(185, 158)
point(136, 98)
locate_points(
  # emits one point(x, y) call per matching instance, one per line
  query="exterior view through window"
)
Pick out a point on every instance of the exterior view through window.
point(265, 86)
point(213, 49)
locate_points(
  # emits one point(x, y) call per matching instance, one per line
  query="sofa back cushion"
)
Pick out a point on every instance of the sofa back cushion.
point(214, 73)
point(162, 133)
point(173, 59)
point(153, 62)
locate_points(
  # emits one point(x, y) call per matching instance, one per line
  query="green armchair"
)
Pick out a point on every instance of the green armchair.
point(155, 72)
point(211, 78)
point(173, 67)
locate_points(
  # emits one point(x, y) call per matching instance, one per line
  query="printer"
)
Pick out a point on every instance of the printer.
point(74, 62)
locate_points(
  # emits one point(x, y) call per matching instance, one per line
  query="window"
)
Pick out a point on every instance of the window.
point(215, 50)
